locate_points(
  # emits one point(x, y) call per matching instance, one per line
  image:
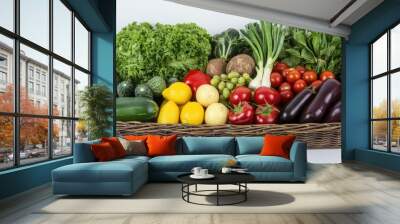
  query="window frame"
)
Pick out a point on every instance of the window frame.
point(388, 74)
point(16, 114)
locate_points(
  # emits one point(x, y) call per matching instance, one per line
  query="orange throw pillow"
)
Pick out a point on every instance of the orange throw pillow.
point(116, 145)
point(135, 137)
point(277, 145)
point(103, 152)
point(161, 145)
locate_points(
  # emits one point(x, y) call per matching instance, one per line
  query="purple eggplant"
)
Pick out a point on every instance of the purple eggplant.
point(328, 95)
point(293, 110)
point(334, 113)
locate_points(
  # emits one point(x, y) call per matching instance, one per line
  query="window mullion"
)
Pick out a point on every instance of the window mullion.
point(16, 70)
point(73, 81)
point(50, 81)
point(389, 104)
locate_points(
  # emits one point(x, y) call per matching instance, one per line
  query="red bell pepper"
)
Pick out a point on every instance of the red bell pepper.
point(240, 94)
point(243, 113)
point(196, 78)
point(267, 114)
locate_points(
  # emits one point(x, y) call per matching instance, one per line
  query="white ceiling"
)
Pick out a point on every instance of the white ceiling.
point(319, 9)
point(318, 15)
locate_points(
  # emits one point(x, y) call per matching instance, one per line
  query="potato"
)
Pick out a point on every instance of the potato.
point(241, 63)
point(216, 66)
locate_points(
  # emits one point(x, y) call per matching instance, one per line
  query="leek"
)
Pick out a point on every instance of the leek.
point(266, 41)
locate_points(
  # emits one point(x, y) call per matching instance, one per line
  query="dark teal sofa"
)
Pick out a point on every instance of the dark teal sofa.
point(125, 176)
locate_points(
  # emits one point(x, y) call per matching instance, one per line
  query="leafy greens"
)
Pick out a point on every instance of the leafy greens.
point(317, 51)
point(228, 43)
point(144, 50)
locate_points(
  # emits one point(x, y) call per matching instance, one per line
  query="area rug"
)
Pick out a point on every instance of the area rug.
point(166, 198)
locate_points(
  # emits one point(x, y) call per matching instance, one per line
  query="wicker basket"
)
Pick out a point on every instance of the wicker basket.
point(317, 136)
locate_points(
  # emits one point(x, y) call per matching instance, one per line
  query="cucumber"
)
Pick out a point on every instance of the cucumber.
point(136, 109)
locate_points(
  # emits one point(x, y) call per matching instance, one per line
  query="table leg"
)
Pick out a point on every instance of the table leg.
point(188, 190)
point(195, 188)
point(217, 194)
point(245, 193)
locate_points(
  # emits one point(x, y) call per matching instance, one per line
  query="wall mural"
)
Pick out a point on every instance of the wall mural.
point(261, 78)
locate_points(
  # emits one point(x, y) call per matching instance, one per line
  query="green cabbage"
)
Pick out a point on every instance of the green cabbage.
point(144, 51)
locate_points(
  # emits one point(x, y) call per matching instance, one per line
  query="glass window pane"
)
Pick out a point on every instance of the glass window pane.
point(379, 55)
point(81, 81)
point(395, 47)
point(81, 45)
point(33, 139)
point(7, 14)
point(34, 72)
point(62, 29)
point(62, 138)
point(379, 97)
point(35, 21)
point(395, 135)
point(81, 132)
point(6, 74)
point(379, 135)
point(6, 142)
point(62, 89)
point(395, 95)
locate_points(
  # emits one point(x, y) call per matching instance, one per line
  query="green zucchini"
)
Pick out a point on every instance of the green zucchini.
point(136, 109)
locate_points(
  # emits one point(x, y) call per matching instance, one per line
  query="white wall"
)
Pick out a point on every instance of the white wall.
point(154, 11)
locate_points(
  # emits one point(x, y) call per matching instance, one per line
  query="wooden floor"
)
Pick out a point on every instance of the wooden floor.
point(379, 189)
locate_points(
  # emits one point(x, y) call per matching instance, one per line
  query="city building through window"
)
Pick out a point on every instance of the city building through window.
point(385, 94)
point(40, 124)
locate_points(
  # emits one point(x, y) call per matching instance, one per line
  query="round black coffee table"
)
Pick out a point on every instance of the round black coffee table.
point(238, 179)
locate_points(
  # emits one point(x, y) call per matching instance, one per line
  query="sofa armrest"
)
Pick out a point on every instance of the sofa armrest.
point(83, 152)
point(298, 155)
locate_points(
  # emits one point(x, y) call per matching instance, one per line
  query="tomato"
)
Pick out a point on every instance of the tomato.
point(299, 85)
point(316, 84)
point(276, 79)
point(326, 75)
point(292, 75)
point(300, 69)
point(310, 76)
point(264, 95)
point(285, 86)
point(240, 94)
point(285, 72)
point(279, 67)
point(286, 96)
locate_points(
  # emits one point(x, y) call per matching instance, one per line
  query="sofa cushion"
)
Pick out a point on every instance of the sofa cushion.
point(185, 163)
point(134, 147)
point(277, 145)
point(103, 152)
point(116, 145)
point(257, 163)
point(249, 145)
point(112, 171)
point(208, 145)
point(132, 158)
point(161, 145)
